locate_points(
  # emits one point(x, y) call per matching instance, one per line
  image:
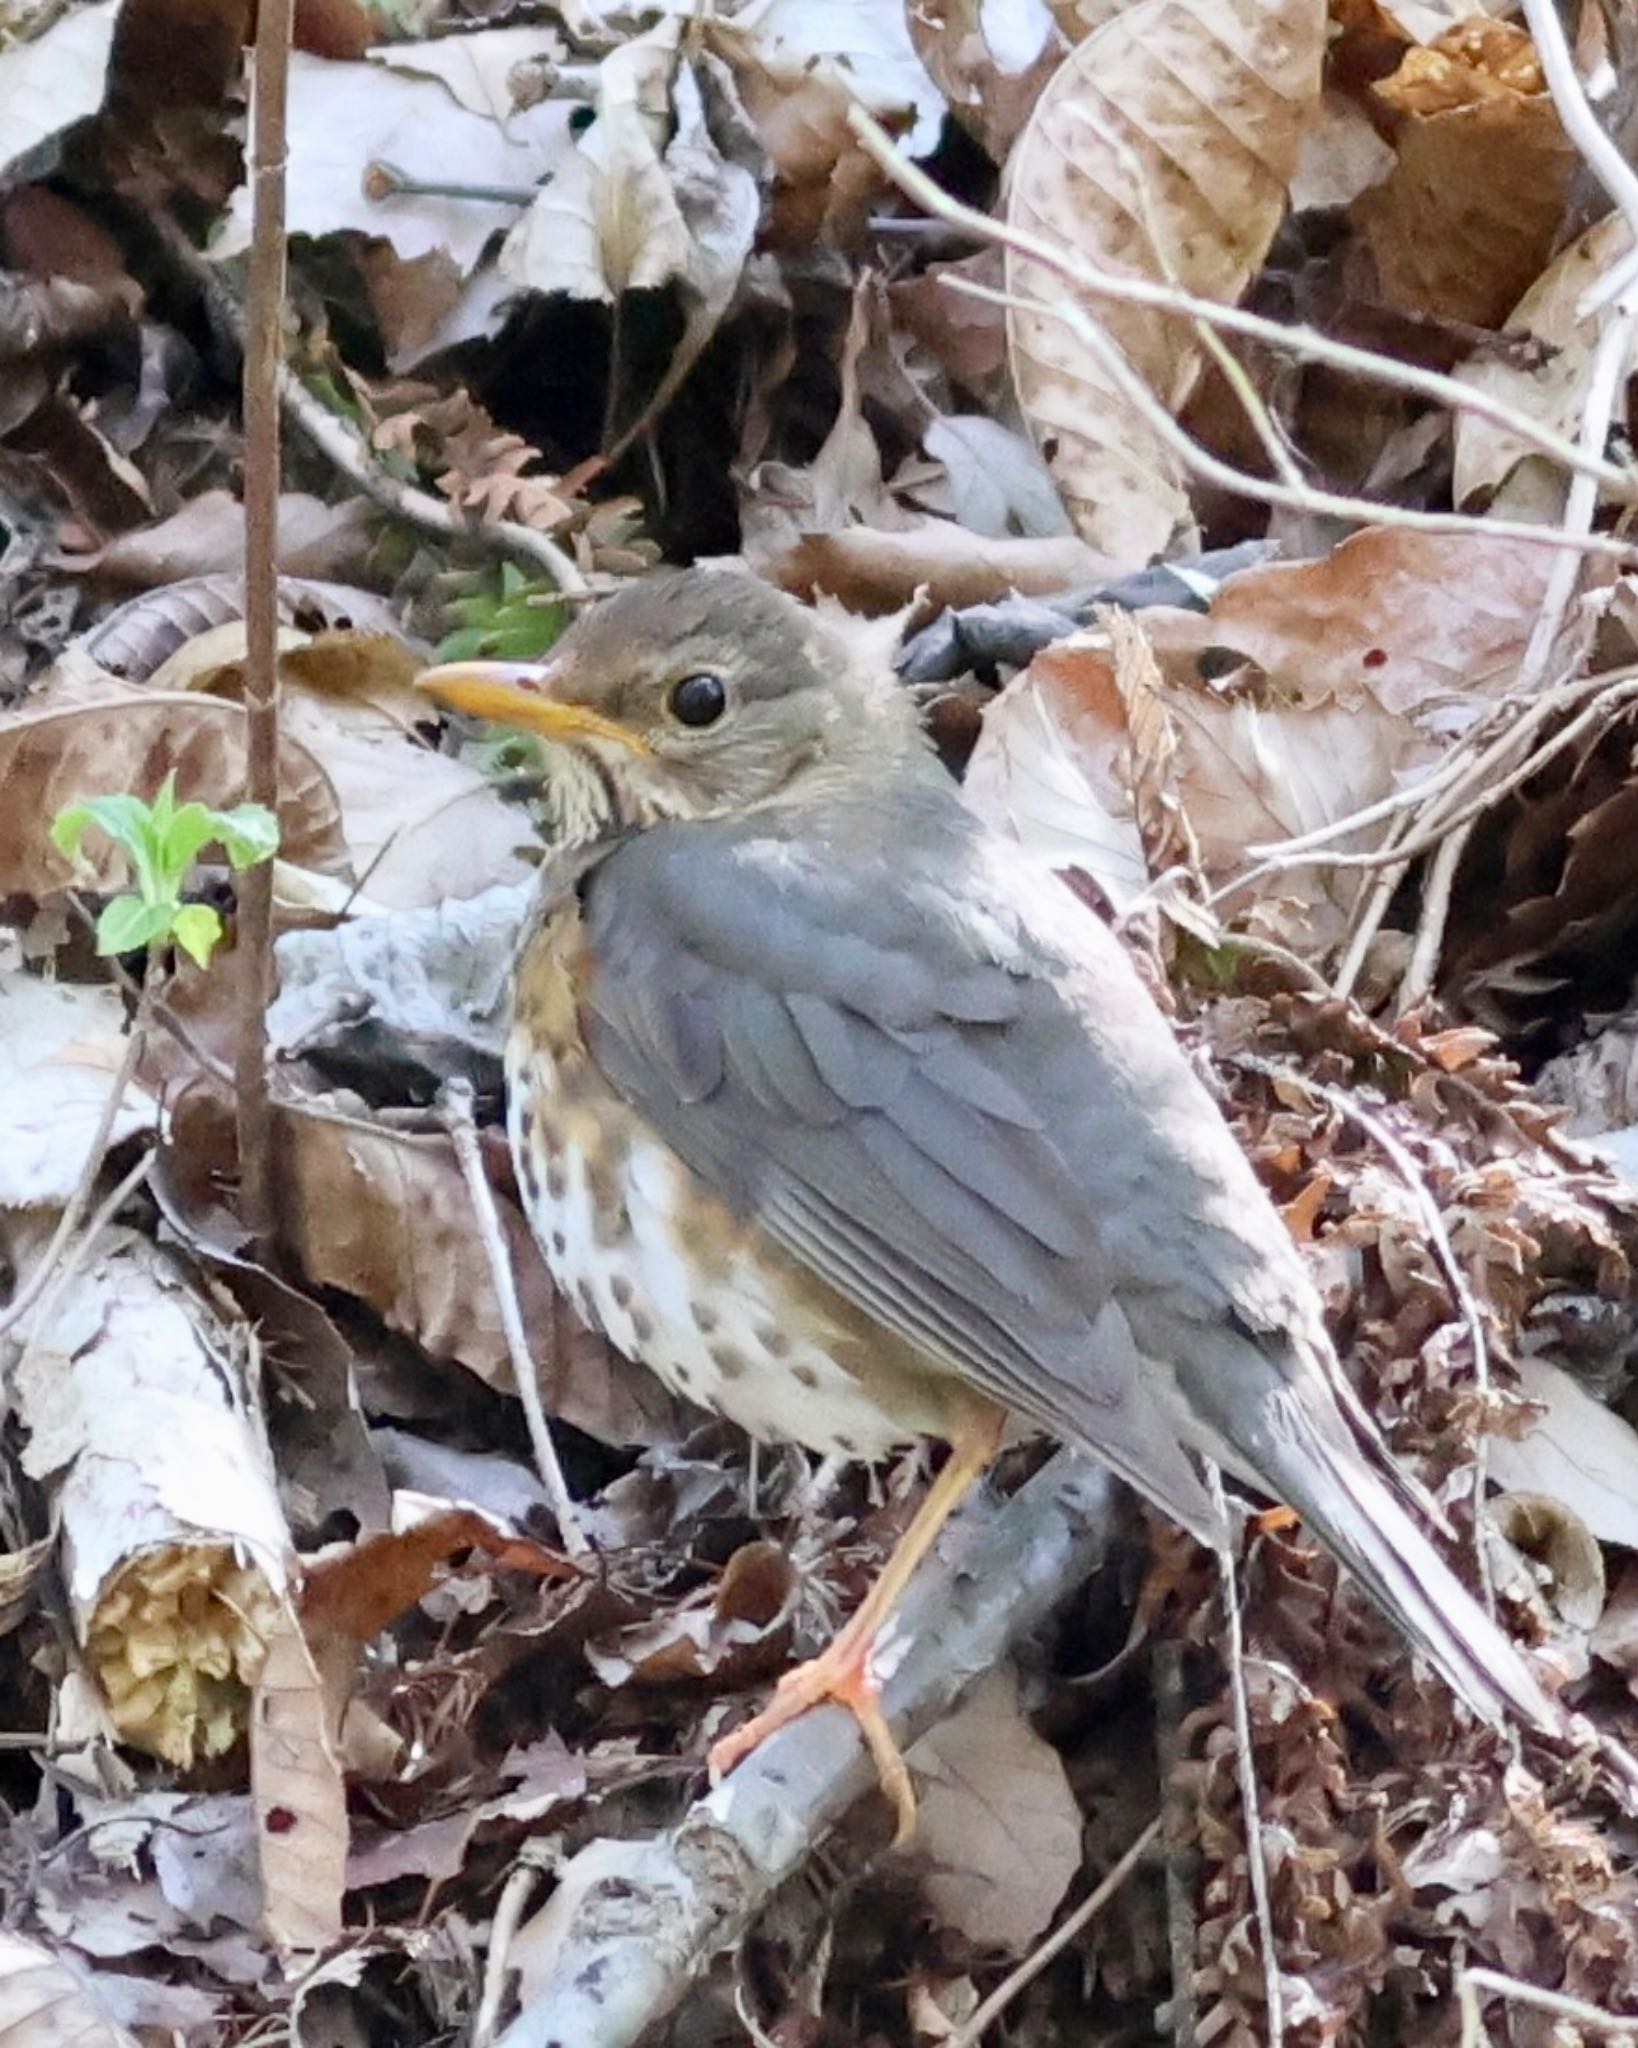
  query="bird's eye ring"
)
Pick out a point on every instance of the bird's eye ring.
point(698, 699)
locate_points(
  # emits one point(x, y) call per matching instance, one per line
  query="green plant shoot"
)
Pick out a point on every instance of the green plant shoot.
point(163, 840)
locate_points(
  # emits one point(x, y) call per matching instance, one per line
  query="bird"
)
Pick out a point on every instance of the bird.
point(856, 1125)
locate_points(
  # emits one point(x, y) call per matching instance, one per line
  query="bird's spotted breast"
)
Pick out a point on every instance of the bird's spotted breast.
point(666, 1269)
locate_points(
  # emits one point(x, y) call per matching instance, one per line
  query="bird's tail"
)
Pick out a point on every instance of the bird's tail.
point(1312, 1462)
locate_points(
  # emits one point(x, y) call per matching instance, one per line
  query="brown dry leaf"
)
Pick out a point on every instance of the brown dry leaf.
point(46, 2002)
point(824, 184)
point(354, 1592)
point(1493, 468)
point(1162, 147)
point(872, 571)
point(384, 1215)
point(990, 60)
point(299, 1794)
point(71, 743)
point(738, 1635)
point(1466, 219)
point(998, 1835)
point(1410, 623)
point(206, 537)
point(1358, 669)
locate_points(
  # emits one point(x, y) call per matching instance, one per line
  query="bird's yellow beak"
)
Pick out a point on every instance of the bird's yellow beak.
point(519, 693)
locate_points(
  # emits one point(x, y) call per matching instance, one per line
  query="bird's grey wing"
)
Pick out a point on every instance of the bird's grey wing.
point(898, 1091)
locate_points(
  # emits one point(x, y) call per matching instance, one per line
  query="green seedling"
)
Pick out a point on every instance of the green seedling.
point(163, 840)
point(511, 617)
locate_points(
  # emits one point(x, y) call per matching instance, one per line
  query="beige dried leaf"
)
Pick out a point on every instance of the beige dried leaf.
point(46, 2002)
point(1162, 147)
point(299, 1793)
point(1493, 467)
point(998, 1837)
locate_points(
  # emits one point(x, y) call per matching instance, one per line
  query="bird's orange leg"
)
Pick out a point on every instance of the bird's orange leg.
point(843, 1672)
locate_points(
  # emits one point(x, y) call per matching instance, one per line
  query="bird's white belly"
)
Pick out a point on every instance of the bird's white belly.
point(715, 1331)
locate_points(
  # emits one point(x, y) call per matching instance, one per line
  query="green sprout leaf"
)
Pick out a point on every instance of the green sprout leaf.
point(163, 839)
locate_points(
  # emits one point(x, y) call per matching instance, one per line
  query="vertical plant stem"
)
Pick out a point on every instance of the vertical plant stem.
point(264, 349)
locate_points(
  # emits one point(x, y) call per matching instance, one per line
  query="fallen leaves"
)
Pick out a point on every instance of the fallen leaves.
point(1118, 166)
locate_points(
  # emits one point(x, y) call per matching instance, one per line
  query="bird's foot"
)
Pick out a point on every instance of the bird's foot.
point(841, 1673)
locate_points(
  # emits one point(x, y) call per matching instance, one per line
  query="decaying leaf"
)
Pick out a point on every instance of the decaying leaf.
point(175, 1552)
point(1466, 219)
point(1162, 147)
point(60, 1047)
point(998, 1839)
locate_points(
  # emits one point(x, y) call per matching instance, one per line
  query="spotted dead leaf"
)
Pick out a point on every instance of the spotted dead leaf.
point(1163, 148)
point(300, 1798)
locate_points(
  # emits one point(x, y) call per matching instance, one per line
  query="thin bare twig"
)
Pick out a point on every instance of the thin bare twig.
point(455, 1113)
point(1558, 2003)
point(338, 441)
point(1181, 1840)
point(968, 2034)
point(1200, 462)
point(1305, 343)
point(1245, 1760)
point(264, 351)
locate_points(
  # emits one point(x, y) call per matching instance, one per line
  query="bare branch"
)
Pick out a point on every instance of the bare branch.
point(633, 1924)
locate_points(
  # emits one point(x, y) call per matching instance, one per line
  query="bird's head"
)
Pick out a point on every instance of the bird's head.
point(695, 693)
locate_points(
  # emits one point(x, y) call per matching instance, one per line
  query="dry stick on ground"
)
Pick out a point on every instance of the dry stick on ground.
point(455, 1113)
point(633, 1924)
point(1559, 2004)
point(264, 349)
point(970, 2032)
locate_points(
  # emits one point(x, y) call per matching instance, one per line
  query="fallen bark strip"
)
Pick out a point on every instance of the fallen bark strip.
point(633, 1923)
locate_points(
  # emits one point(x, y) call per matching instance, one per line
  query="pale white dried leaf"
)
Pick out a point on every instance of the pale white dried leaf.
point(1163, 146)
point(57, 79)
point(1028, 779)
point(609, 221)
point(345, 116)
point(60, 1046)
point(173, 1541)
point(48, 2002)
point(1580, 1452)
point(1492, 466)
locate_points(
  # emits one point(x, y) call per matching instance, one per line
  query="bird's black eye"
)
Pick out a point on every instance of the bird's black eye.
point(698, 700)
